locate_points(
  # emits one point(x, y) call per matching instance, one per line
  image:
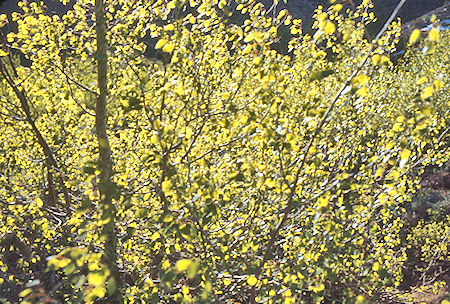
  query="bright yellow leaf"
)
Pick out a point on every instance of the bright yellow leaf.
point(376, 59)
point(39, 202)
point(257, 60)
point(337, 7)
point(160, 43)
point(169, 47)
point(169, 27)
point(317, 288)
point(96, 278)
point(165, 264)
point(166, 186)
point(376, 266)
point(252, 280)
point(322, 202)
point(329, 28)
point(185, 290)
point(363, 92)
point(427, 92)
point(438, 84)
point(360, 80)
point(433, 35)
point(155, 236)
point(422, 80)
point(415, 35)
point(183, 264)
point(405, 154)
point(270, 183)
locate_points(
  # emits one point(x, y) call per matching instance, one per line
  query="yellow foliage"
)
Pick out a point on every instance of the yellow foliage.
point(415, 35)
point(230, 159)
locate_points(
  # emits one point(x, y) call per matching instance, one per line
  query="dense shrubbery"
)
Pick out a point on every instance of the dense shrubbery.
point(239, 174)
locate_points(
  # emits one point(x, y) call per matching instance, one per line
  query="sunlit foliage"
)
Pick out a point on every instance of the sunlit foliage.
point(240, 174)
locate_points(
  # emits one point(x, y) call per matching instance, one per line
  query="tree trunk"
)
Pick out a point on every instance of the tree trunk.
point(106, 185)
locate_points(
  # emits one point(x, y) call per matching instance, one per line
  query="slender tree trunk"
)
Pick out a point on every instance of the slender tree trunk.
point(106, 184)
point(50, 160)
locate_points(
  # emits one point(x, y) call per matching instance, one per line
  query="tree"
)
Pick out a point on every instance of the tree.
point(106, 185)
point(228, 171)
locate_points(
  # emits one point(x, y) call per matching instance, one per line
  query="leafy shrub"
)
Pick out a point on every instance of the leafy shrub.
point(432, 239)
point(239, 174)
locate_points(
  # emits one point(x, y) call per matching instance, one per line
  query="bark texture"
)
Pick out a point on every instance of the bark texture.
point(106, 185)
